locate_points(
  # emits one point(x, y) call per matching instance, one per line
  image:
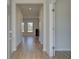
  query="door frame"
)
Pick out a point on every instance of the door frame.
point(13, 18)
point(52, 29)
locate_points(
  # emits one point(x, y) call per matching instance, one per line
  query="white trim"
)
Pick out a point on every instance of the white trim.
point(29, 1)
point(44, 24)
point(13, 18)
point(13, 50)
point(62, 49)
point(44, 49)
point(30, 17)
point(51, 31)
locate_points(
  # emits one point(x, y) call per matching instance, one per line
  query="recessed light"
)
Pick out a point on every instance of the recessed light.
point(30, 8)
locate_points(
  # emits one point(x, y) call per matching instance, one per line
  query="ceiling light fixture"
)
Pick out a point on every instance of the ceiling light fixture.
point(30, 8)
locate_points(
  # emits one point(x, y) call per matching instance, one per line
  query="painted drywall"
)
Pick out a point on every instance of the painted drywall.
point(29, 1)
point(63, 25)
point(19, 19)
point(41, 37)
point(35, 25)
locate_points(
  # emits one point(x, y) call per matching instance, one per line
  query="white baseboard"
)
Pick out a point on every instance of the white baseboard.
point(13, 50)
point(62, 49)
point(44, 49)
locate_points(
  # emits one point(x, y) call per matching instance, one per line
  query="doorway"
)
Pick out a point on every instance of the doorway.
point(29, 29)
point(43, 26)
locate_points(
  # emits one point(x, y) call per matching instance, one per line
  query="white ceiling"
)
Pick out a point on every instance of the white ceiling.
point(34, 12)
point(29, 1)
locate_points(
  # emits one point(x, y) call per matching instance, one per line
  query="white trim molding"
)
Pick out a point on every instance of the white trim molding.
point(62, 49)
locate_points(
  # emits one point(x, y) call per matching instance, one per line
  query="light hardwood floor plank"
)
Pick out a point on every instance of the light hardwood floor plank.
point(32, 49)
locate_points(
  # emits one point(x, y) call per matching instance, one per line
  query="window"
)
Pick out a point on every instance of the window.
point(30, 26)
point(22, 26)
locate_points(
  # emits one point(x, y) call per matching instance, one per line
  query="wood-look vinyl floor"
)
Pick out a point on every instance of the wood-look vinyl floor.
point(31, 49)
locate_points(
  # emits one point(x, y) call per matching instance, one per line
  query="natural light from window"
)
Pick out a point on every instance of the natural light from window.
point(30, 26)
point(22, 25)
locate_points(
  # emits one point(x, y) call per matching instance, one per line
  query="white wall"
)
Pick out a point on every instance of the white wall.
point(63, 25)
point(19, 19)
point(41, 18)
point(35, 25)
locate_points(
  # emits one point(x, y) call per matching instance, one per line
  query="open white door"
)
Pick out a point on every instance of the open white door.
point(52, 29)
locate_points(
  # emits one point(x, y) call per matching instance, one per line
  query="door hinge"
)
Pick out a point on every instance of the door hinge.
point(53, 47)
point(53, 10)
